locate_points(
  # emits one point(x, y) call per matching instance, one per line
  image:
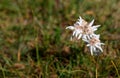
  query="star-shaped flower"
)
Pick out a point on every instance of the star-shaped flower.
point(83, 29)
point(94, 44)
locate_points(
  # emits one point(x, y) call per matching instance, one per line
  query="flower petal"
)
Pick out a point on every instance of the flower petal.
point(80, 35)
point(97, 36)
point(84, 36)
point(88, 36)
point(91, 50)
point(74, 32)
point(91, 23)
point(86, 40)
point(99, 48)
point(70, 27)
point(96, 26)
point(80, 20)
point(94, 49)
point(102, 43)
point(88, 45)
point(77, 33)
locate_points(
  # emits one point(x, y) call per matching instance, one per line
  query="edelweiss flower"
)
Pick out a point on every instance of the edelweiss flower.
point(88, 30)
point(82, 29)
point(94, 44)
point(77, 28)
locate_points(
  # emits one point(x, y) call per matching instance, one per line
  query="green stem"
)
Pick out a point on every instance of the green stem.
point(37, 52)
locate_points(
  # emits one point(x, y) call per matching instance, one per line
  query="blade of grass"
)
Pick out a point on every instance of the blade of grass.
point(74, 71)
point(115, 68)
point(96, 72)
point(37, 51)
point(19, 55)
point(2, 71)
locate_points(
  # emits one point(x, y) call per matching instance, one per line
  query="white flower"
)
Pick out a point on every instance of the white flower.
point(83, 29)
point(94, 44)
point(88, 30)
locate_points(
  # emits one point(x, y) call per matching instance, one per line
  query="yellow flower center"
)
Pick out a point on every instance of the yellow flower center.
point(93, 41)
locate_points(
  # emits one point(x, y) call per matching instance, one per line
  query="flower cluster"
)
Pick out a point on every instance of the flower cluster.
point(86, 31)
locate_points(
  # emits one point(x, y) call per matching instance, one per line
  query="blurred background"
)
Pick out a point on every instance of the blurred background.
point(35, 44)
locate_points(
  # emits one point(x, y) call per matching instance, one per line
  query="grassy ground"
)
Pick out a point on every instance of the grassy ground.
point(35, 44)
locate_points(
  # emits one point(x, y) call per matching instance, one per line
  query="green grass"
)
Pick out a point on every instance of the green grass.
point(35, 44)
